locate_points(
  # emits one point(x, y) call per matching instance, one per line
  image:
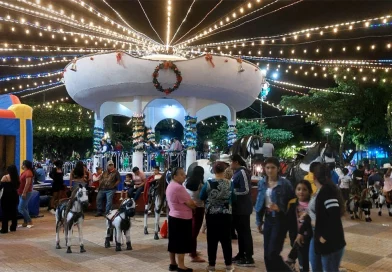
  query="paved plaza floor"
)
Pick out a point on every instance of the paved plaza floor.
point(369, 248)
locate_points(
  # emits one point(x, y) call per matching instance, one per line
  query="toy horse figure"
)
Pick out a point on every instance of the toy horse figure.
point(249, 147)
point(70, 213)
point(361, 203)
point(321, 152)
point(120, 221)
point(156, 197)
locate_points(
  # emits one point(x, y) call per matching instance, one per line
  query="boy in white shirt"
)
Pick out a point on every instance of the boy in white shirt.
point(344, 184)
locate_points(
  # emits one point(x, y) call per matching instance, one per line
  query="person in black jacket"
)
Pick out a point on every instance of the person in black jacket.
point(328, 243)
point(242, 209)
point(299, 226)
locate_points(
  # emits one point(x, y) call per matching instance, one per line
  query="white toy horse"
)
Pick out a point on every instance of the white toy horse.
point(156, 197)
point(120, 221)
point(70, 213)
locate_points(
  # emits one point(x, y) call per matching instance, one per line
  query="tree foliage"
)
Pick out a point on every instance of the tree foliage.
point(358, 118)
point(62, 129)
point(277, 136)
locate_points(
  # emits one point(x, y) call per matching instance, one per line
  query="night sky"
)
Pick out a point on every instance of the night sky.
point(274, 19)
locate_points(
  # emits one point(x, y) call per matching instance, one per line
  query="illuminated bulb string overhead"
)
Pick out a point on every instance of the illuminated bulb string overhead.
point(169, 12)
point(68, 21)
point(309, 32)
point(306, 87)
point(223, 22)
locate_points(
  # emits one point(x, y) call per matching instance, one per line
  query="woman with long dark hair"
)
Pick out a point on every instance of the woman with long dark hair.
point(77, 176)
point(25, 191)
point(9, 201)
point(274, 194)
point(326, 209)
point(193, 186)
point(57, 176)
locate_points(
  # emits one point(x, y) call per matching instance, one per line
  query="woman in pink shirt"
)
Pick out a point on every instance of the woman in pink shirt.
point(180, 220)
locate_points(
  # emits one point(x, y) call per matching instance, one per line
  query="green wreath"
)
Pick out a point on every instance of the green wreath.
point(166, 65)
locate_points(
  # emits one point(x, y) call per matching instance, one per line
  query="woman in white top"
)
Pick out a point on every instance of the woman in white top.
point(193, 186)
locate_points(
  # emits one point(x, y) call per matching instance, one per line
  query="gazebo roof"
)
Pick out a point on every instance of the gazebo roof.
point(100, 78)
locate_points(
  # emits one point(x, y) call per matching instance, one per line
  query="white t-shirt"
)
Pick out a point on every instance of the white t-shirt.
point(345, 182)
point(268, 200)
point(268, 149)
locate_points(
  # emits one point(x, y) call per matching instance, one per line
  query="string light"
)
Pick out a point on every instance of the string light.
point(45, 90)
point(289, 90)
point(168, 24)
point(294, 35)
point(310, 88)
point(241, 10)
point(23, 76)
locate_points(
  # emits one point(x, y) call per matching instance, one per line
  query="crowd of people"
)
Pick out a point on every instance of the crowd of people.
point(310, 212)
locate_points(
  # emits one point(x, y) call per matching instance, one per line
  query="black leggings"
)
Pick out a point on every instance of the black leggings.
point(219, 230)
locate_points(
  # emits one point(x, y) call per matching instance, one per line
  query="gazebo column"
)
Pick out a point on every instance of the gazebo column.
point(232, 130)
point(137, 136)
point(97, 137)
point(190, 132)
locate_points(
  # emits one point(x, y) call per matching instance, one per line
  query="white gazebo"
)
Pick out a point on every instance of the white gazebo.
point(118, 83)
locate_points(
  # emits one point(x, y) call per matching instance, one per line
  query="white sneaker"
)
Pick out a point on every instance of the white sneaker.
point(52, 211)
point(211, 268)
point(229, 268)
point(30, 226)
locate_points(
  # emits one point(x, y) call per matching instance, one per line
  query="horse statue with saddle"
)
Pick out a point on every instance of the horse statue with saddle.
point(322, 152)
point(156, 199)
point(119, 221)
point(70, 213)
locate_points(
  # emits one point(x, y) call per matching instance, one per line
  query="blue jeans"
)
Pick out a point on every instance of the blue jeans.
point(137, 193)
point(108, 194)
point(325, 263)
point(23, 207)
point(274, 235)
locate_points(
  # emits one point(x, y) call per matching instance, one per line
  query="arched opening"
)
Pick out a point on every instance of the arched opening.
point(168, 129)
point(163, 108)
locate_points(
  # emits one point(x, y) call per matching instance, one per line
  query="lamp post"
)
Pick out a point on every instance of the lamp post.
point(327, 131)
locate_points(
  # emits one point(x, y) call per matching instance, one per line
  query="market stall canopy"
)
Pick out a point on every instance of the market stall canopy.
point(95, 79)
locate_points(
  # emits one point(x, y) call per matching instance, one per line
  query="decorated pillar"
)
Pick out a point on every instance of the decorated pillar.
point(231, 133)
point(138, 134)
point(97, 137)
point(151, 135)
point(190, 132)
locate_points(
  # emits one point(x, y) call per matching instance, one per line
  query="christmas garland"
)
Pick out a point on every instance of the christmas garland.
point(166, 65)
point(97, 137)
point(231, 135)
point(138, 133)
point(151, 135)
point(190, 132)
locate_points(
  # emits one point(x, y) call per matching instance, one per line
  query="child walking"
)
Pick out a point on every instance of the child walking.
point(344, 185)
point(127, 186)
point(299, 226)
